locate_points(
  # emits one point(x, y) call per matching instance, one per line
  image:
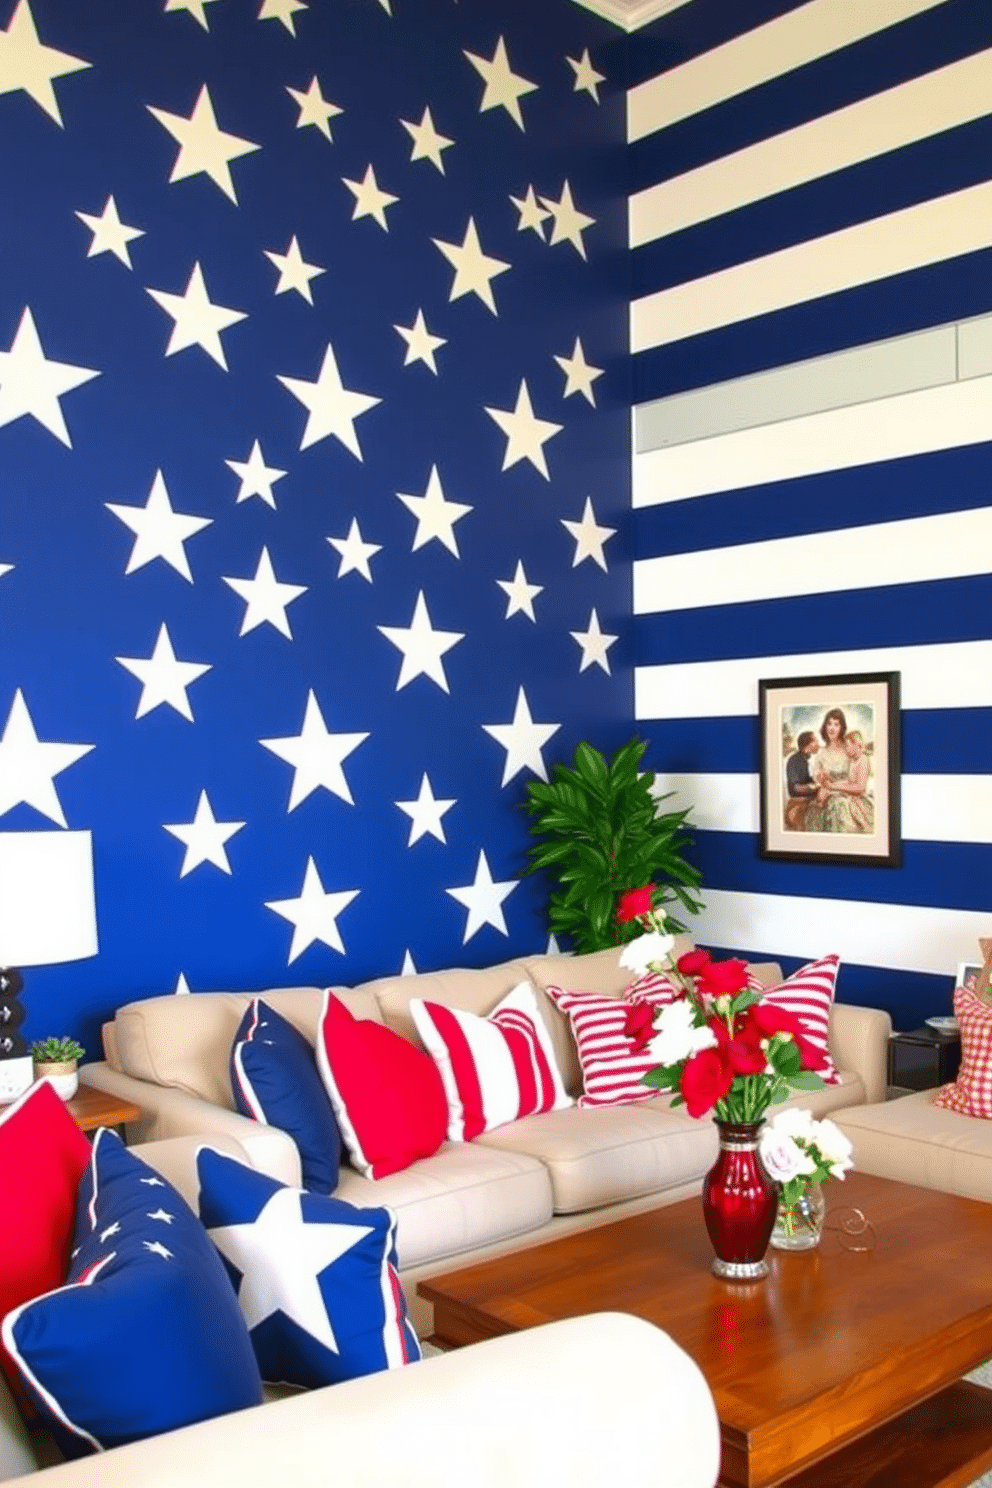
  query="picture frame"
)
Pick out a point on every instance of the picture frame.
point(829, 775)
point(968, 973)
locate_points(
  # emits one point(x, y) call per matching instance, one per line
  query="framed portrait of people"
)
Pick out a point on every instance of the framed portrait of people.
point(829, 770)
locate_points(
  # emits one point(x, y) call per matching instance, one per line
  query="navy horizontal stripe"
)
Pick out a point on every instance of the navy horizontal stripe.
point(931, 296)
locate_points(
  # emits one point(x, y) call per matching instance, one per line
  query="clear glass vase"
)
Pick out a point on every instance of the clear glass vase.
point(799, 1226)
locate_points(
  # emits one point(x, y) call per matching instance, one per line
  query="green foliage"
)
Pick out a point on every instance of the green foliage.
point(602, 833)
point(56, 1051)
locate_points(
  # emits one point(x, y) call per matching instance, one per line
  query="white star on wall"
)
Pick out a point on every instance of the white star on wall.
point(6, 568)
point(526, 434)
point(590, 539)
point(294, 271)
point(579, 375)
point(504, 87)
point(28, 767)
point(30, 384)
point(531, 214)
point(197, 321)
point(587, 79)
point(425, 813)
point(265, 598)
point(204, 838)
point(484, 900)
point(520, 595)
point(422, 646)
point(523, 740)
point(257, 478)
point(195, 8)
point(435, 516)
point(282, 10)
point(474, 271)
point(427, 143)
point(315, 110)
point(159, 531)
point(331, 407)
point(408, 968)
point(204, 148)
point(370, 200)
point(569, 223)
point(355, 553)
point(25, 62)
point(420, 344)
point(182, 987)
point(316, 756)
point(163, 678)
point(313, 915)
point(595, 644)
point(110, 234)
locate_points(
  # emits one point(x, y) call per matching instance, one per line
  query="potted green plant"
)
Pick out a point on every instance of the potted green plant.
point(602, 832)
point(57, 1059)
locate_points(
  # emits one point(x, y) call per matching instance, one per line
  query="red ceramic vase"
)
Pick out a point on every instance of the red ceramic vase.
point(740, 1202)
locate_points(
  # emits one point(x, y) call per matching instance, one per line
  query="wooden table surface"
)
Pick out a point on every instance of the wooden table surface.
point(93, 1108)
point(834, 1344)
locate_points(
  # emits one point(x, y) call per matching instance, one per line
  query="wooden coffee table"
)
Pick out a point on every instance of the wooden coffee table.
point(843, 1368)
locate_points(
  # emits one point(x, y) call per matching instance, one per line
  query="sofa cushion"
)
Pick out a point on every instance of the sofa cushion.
point(971, 1093)
point(915, 1139)
point(611, 1062)
point(315, 1277)
point(476, 991)
point(274, 1080)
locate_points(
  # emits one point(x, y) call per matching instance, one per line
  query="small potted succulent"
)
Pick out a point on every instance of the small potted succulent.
point(58, 1059)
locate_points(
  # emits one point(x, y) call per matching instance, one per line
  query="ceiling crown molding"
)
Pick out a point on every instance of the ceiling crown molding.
point(631, 14)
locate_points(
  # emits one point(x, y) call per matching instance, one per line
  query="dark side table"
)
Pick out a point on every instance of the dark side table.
point(923, 1058)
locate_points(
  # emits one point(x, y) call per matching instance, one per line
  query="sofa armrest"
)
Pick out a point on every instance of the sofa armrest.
point(859, 1041)
point(175, 1113)
point(566, 1402)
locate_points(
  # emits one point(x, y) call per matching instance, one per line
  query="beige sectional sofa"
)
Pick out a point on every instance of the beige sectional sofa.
point(517, 1185)
point(915, 1141)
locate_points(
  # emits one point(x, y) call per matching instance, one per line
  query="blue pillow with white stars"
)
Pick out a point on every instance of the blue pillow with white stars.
point(275, 1080)
point(146, 1334)
point(316, 1277)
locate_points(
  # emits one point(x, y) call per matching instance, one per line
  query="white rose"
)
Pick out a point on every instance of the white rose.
point(782, 1158)
point(835, 1147)
point(638, 954)
point(795, 1122)
point(678, 1037)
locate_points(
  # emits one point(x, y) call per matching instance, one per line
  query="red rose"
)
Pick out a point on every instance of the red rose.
point(771, 1020)
point(634, 903)
point(693, 962)
point(742, 1048)
point(639, 1024)
point(723, 978)
point(706, 1078)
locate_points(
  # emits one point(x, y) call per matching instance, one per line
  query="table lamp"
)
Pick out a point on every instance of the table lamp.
point(47, 916)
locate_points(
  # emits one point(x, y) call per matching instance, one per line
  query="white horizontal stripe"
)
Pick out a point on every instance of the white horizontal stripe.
point(929, 232)
point(955, 675)
point(946, 546)
point(925, 106)
point(901, 937)
point(935, 808)
point(912, 423)
point(769, 51)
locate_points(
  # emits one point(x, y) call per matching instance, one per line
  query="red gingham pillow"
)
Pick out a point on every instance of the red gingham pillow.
point(808, 993)
point(611, 1067)
point(971, 1094)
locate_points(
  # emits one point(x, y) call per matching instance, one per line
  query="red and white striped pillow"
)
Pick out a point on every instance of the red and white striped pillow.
point(611, 1066)
point(971, 1094)
point(494, 1070)
point(809, 993)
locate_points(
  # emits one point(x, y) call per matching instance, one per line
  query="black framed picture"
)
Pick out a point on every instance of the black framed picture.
point(829, 775)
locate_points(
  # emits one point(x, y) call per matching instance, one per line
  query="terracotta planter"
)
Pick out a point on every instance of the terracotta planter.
point(64, 1077)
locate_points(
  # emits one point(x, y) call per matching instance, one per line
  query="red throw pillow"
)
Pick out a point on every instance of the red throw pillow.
point(43, 1155)
point(809, 993)
point(971, 1094)
point(387, 1095)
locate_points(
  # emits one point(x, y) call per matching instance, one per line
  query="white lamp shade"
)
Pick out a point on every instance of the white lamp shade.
point(47, 901)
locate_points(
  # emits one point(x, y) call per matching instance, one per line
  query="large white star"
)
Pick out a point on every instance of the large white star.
point(370, 199)
point(26, 63)
point(569, 223)
point(163, 678)
point(526, 434)
point(28, 767)
point(590, 538)
point(420, 344)
point(427, 143)
point(504, 87)
point(355, 552)
point(204, 838)
point(203, 145)
point(257, 478)
point(520, 595)
point(316, 756)
point(110, 234)
point(523, 740)
point(587, 79)
point(425, 813)
point(595, 644)
point(314, 914)
point(305, 1250)
point(195, 8)
point(435, 516)
point(265, 598)
point(331, 407)
point(294, 271)
point(484, 900)
point(29, 384)
point(422, 646)
point(474, 271)
point(579, 374)
point(197, 320)
point(530, 214)
point(282, 10)
point(315, 111)
point(159, 531)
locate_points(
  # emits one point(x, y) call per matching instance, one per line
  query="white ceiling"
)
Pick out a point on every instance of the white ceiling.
point(631, 14)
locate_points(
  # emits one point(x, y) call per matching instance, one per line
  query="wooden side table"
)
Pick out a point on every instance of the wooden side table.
point(923, 1058)
point(92, 1108)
